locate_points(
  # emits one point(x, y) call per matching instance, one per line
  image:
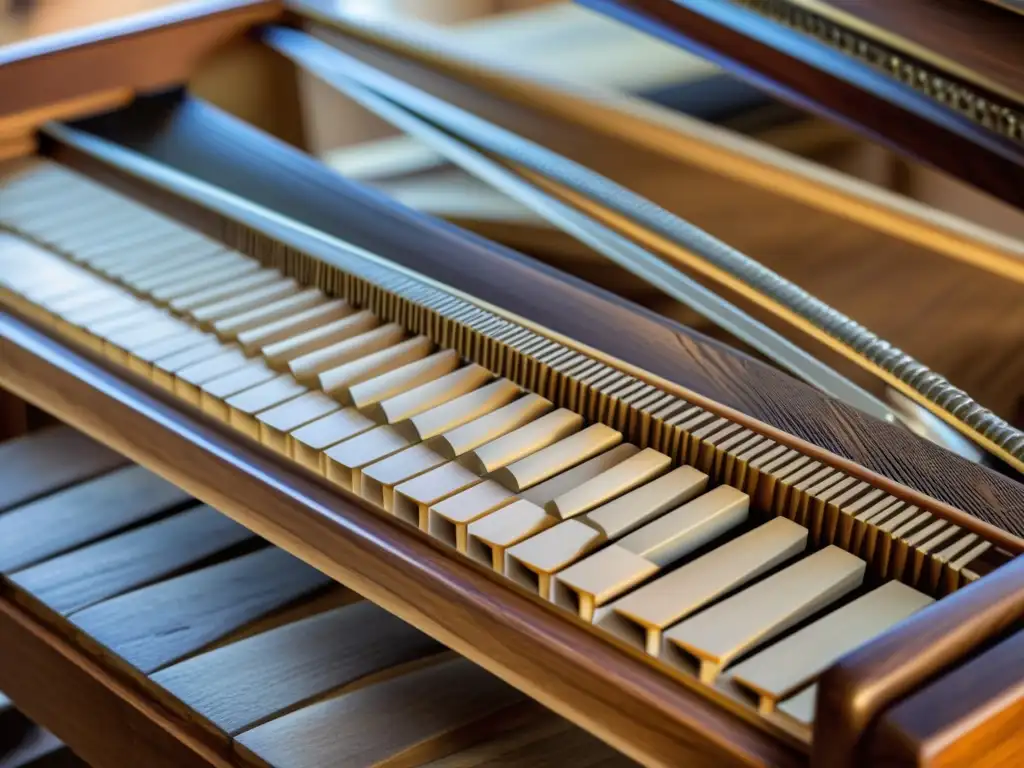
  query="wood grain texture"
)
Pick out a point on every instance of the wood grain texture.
point(810, 76)
point(201, 141)
point(57, 684)
point(969, 717)
point(141, 53)
point(610, 690)
point(132, 560)
point(160, 624)
point(241, 685)
point(81, 514)
point(428, 713)
point(48, 460)
point(859, 686)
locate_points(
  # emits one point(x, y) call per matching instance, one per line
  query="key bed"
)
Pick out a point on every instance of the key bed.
point(481, 462)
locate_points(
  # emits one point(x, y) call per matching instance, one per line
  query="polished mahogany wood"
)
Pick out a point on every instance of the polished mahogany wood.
point(813, 76)
point(200, 140)
point(970, 717)
point(856, 689)
point(607, 688)
point(140, 53)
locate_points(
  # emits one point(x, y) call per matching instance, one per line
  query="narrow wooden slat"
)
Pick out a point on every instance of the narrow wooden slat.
point(241, 685)
point(425, 714)
point(46, 461)
point(160, 624)
point(83, 513)
point(131, 560)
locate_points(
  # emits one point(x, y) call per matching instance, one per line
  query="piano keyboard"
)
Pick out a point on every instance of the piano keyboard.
point(716, 550)
point(272, 662)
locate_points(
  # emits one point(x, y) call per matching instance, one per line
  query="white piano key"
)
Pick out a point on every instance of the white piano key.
point(336, 381)
point(255, 339)
point(378, 480)
point(491, 426)
point(443, 418)
point(783, 668)
point(214, 393)
point(306, 444)
point(708, 642)
point(631, 473)
point(307, 367)
point(212, 279)
point(245, 406)
point(205, 294)
point(208, 314)
point(557, 457)
point(641, 617)
point(188, 380)
point(488, 537)
point(277, 422)
point(429, 395)
point(522, 441)
point(409, 376)
point(143, 357)
point(800, 708)
point(279, 353)
point(165, 368)
point(450, 501)
point(605, 575)
point(231, 327)
point(344, 461)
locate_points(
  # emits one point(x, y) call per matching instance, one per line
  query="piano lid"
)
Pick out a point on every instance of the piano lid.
point(942, 82)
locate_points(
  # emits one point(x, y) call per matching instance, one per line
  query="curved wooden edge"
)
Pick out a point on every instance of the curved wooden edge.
point(105, 721)
point(853, 692)
point(605, 688)
point(140, 53)
point(207, 145)
point(811, 76)
point(969, 718)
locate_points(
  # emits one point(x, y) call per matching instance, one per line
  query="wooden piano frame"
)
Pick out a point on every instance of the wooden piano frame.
point(879, 703)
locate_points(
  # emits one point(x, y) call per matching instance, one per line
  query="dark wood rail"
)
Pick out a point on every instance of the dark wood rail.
point(853, 693)
point(607, 688)
point(810, 75)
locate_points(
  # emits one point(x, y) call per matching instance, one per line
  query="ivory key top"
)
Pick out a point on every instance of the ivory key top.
point(199, 261)
point(344, 461)
point(208, 314)
point(255, 339)
point(556, 486)
point(279, 353)
point(429, 395)
point(118, 346)
point(307, 367)
point(203, 294)
point(557, 457)
point(306, 444)
point(454, 413)
point(642, 616)
point(800, 708)
point(214, 392)
point(366, 395)
point(783, 668)
point(488, 537)
point(634, 471)
point(535, 561)
point(245, 406)
point(142, 357)
point(522, 441)
point(336, 381)
point(708, 642)
point(444, 498)
point(490, 426)
point(188, 380)
point(230, 327)
point(193, 281)
point(187, 255)
point(165, 368)
point(378, 480)
point(605, 575)
point(277, 422)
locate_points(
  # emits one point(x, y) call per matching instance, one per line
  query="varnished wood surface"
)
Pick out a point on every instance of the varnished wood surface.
point(48, 460)
point(805, 74)
point(610, 691)
point(866, 681)
point(143, 52)
point(206, 143)
point(55, 683)
point(970, 717)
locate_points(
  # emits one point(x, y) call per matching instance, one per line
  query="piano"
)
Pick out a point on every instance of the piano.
point(298, 476)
